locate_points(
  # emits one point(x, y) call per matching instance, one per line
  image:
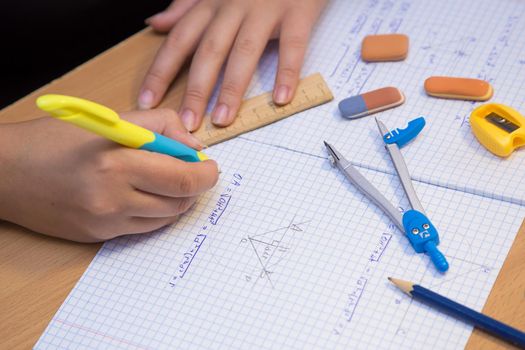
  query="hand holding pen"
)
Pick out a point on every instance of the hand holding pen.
point(69, 183)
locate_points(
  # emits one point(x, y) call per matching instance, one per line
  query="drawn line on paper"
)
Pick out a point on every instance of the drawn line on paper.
point(452, 187)
point(100, 334)
point(482, 268)
point(459, 275)
point(262, 265)
point(274, 250)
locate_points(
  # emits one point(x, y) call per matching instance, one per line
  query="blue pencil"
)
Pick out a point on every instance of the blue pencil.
point(477, 319)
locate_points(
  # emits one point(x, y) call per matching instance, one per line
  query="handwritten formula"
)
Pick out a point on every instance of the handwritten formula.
point(212, 220)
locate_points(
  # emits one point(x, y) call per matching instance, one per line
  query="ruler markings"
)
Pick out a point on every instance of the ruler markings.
point(260, 110)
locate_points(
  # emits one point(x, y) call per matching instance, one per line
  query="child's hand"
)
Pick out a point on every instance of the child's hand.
point(66, 182)
point(215, 28)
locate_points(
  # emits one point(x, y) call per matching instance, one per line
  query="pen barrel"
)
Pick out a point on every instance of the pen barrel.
point(165, 145)
point(477, 319)
point(107, 123)
point(121, 131)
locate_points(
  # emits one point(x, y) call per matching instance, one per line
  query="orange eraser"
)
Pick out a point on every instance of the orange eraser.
point(458, 88)
point(384, 47)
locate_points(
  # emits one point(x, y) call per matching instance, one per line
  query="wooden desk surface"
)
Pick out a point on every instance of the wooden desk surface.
point(38, 272)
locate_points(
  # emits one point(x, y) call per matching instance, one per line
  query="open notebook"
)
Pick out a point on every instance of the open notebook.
point(284, 252)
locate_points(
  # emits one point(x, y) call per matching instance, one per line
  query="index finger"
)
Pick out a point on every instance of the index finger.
point(167, 176)
point(247, 49)
point(179, 44)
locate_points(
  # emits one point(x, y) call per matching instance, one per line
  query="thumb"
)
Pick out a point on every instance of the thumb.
point(166, 122)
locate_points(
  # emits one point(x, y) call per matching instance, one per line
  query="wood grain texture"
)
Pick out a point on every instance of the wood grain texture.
point(38, 272)
point(506, 301)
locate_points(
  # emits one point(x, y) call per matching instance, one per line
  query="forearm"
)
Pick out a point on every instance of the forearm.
point(8, 156)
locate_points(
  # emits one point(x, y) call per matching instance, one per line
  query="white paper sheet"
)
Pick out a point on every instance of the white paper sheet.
point(284, 252)
point(480, 39)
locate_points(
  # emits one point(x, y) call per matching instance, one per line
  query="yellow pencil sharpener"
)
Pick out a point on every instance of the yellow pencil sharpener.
point(500, 128)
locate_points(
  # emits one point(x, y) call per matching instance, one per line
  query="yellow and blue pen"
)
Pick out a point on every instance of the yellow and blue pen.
point(105, 122)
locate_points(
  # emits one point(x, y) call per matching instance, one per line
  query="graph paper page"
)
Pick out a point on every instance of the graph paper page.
point(284, 252)
point(479, 39)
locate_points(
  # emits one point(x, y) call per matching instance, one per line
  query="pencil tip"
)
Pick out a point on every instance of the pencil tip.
point(405, 286)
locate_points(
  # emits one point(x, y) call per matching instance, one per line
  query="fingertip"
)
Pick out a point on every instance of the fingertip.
point(282, 95)
point(146, 99)
point(189, 119)
point(221, 115)
point(207, 173)
point(149, 20)
point(159, 22)
point(212, 161)
point(216, 172)
point(195, 142)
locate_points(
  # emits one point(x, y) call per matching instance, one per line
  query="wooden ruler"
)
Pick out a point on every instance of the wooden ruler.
point(259, 111)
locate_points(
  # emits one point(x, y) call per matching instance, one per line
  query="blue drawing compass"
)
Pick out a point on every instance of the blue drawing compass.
point(417, 227)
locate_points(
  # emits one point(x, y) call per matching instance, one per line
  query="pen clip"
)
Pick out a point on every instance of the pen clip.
point(66, 107)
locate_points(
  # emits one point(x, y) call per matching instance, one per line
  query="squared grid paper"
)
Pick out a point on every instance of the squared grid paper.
point(278, 269)
point(294, 260)
point(480, 39)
